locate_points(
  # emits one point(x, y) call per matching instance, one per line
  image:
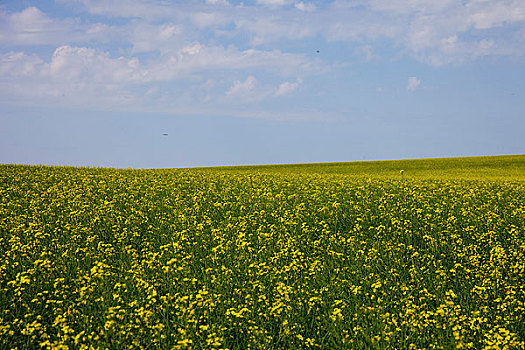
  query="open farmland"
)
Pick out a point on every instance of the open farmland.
point(384, 255)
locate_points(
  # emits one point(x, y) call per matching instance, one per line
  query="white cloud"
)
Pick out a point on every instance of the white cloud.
point(30, 26)
point(490, 14)
point(147, 37)
point(217, 2)
point(413, 83)
point(73, 77)
point(423, 29)
point(84, 76)
point(213, 19)
point(304, 6)
point(452, 33)
point(449, 44)
point(243, 89)
point(18, 64)
point(410, 6)
point(286, 88)
point(197, 58)
point(33, 27)
point(83, 63)
point(185, 43)
point(252, 90)
point(420, 28)
point(91, 65)
point(148, 9)
point(274, 3)
point(86, 64)
point(31, 20)
point(266, 29)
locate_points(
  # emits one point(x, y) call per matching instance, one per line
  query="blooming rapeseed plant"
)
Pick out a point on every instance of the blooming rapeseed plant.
point(262, 258)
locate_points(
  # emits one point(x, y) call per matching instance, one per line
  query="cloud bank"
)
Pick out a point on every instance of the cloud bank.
point(194, 53)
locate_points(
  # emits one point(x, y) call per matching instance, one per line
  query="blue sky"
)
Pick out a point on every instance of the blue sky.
point(99, 82)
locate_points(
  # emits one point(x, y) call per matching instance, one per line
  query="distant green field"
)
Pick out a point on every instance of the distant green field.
point(409, 254)
point(477, 168)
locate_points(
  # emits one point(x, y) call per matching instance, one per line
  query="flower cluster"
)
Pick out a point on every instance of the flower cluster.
point(259, 258)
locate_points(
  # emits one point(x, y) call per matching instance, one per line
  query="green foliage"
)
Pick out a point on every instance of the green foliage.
point(356, 255)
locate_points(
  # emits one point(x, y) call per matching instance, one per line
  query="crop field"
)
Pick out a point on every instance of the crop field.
point(415, 254)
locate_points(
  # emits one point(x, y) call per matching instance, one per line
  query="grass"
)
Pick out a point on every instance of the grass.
point(411, 254)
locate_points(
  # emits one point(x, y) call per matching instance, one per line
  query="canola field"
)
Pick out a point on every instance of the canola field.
point(420, 254)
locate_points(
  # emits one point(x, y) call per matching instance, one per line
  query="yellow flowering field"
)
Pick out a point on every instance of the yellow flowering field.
point(422, 254)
